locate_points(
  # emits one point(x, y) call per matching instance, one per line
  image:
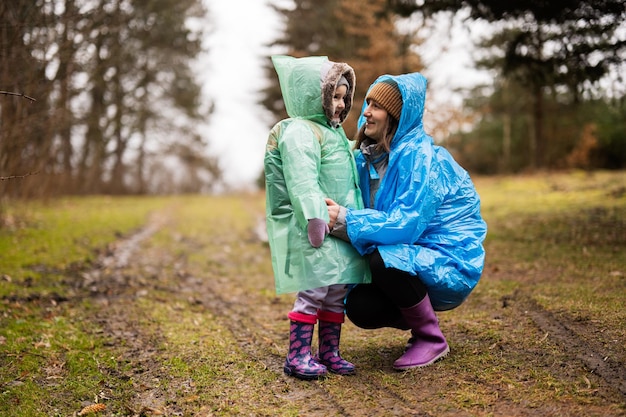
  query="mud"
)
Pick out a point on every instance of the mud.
point(580, 341)
point(114, 286)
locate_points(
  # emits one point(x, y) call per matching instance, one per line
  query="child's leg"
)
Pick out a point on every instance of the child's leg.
point(309, 301)
point(334, 298)
point(331, 316)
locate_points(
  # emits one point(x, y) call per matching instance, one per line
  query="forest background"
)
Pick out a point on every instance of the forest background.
point(101, 96)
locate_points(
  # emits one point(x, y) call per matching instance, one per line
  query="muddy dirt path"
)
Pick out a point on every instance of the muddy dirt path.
point(485, 374)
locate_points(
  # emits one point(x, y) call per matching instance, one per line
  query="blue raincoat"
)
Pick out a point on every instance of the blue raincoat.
point(426, 215)
point(306, 160)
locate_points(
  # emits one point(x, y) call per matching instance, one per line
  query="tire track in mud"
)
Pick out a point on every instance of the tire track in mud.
point(246, 327)
point(392, 402)
point(587, 350)
point(251, 337)
point(109, 280)
point(240, 325)
point(113, 282)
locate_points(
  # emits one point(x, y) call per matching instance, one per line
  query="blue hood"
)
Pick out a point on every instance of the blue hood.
point(413, 90)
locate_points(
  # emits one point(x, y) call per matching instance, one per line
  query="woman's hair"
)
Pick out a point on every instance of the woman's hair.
point(391, 125)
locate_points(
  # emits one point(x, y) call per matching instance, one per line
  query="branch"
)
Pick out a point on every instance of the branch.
point(8, 93)
point(12, 177)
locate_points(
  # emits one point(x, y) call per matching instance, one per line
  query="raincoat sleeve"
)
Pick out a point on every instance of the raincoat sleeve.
point(301, 158)
point(406, 203)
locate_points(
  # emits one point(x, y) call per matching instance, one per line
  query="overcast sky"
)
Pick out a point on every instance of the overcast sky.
point(232, 74)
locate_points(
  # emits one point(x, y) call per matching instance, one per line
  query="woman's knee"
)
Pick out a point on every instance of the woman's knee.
point(368, 308)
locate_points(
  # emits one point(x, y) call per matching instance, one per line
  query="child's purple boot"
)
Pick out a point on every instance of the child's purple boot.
point(329, 336)
point(299, 362)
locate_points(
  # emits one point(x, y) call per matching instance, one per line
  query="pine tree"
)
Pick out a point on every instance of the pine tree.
point(543, 45)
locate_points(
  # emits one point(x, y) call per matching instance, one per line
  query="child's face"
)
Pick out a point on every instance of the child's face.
point(339, 103)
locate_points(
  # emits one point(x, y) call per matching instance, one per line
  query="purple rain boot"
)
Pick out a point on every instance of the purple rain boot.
point(428, 344)
point(329, 336)
point(299, 362)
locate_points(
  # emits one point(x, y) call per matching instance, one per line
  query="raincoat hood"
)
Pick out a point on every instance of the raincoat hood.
point(413, 90)
point(308, 85)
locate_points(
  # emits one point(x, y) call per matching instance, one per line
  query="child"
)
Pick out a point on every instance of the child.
point(308, 157)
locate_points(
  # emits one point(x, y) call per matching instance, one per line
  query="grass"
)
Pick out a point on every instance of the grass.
point(225, 376)
point(193, 326)
point(45, 238)
point(44, 347)
point(567, 235)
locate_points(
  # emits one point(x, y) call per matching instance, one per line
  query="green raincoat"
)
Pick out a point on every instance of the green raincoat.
point(306, 160)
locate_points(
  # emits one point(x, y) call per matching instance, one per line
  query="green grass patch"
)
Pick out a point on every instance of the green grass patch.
point(50, 361)
point(40, 240)
point(216, 236)
point(561, 238)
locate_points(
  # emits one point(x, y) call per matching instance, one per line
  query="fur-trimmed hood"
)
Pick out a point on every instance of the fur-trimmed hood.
point(308, 85)
point(331, 73)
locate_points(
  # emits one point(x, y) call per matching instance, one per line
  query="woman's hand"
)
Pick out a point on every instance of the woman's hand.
point(333, 211)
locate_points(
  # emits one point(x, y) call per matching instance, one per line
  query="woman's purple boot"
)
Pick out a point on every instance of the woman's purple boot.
point(329, 336)
point(299, 362)
point(428, 343)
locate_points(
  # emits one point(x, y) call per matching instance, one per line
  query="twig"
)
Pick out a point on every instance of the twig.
point(9, 93)
point(12, 177)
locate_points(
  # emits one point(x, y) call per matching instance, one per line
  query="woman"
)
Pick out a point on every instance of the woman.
point(421, 226)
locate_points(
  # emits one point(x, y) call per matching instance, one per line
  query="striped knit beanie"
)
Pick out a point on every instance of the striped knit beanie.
point(387, 95)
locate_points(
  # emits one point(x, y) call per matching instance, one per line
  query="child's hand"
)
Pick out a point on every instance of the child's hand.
point(317, 229)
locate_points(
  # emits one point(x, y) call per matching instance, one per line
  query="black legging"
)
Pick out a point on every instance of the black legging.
point(376, 305)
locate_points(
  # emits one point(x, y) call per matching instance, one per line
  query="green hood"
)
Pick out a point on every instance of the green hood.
point(308, 85)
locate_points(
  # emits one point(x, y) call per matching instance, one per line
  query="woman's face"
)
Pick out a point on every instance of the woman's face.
point(375, 120)
point(339, 103)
